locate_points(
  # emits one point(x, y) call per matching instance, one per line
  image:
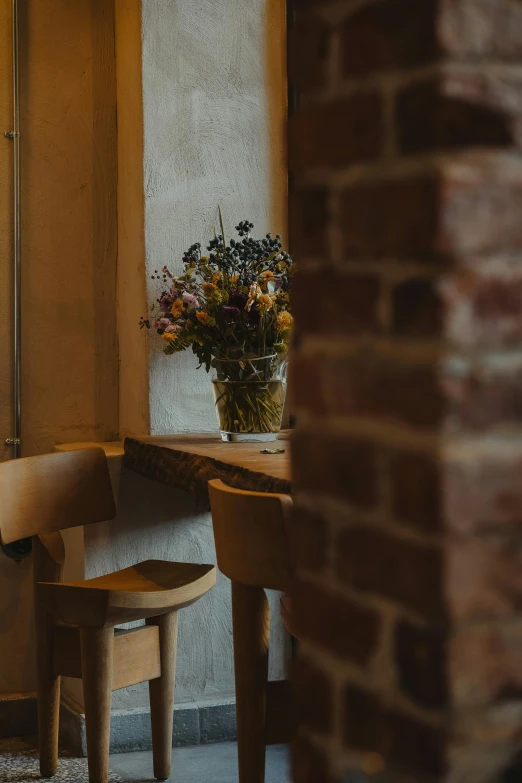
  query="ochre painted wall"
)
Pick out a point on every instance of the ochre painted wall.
point(69, 224)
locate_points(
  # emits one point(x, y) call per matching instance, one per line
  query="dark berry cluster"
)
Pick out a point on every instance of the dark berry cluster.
point(244, 228)
point(244, 257)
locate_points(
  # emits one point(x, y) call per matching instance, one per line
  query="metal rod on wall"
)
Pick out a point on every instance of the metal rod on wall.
point(19, 549)
point(14, 135)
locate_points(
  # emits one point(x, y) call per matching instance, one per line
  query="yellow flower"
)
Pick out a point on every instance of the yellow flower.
point(208, 288)
point(202, 317)
point(267, 275)
point(177, 308)
point(265, 302)
point(169, 337)
point(217, 277)
point(284, 321)
point(218, 297)
point(234, 279)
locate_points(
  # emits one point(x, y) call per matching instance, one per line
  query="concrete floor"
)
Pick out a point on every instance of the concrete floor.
point(216, 763)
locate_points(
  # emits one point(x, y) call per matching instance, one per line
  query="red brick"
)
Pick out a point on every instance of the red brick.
point(432, 115)
point(313, 697)
point(308, 539)
point(484, 578)
point(480, 398)
point(335, 623)
point(382, 389)
point(406, 573)
point(328, 303)
point(483, 494)
point(305, 383)
point(438, 214)
point(336, 133)
point(310, 763)
point(309, 41)
point(369, 387)
point(336, 465)
point(482, 28)
point(309, 219)
point(485, 666)
point(481, 203)
point(389, 35)
point(483, 303)
point(391, 217)
point(416, 490)
point(416, 309)
point(420, 655)
point(411, 745)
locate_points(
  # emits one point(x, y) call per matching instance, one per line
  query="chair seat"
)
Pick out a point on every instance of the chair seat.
point(144, 590)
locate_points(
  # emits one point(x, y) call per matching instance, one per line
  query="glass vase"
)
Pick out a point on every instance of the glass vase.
point(250, 396)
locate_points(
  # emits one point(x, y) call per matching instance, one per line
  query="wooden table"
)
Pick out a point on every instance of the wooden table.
point(190, 461)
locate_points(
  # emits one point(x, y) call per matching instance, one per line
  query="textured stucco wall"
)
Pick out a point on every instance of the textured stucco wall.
point(214, 102)
point(70, 357)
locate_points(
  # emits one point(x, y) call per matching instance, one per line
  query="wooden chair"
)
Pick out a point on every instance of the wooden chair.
point(75, 621)
point(250, 530)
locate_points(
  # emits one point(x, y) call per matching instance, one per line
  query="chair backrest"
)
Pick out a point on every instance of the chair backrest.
point(53, 492)
point(250, 530)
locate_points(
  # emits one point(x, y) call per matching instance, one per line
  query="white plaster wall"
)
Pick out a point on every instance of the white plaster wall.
point(214, 100)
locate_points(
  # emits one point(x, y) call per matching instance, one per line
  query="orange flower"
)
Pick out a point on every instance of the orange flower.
point(217, 277)
point(234, 279)
point(265, 302)
point(169, 337)
point(202, 317)
point(284, 321)
point(177, 308)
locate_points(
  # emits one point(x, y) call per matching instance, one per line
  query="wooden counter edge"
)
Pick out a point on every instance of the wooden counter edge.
point(192, 472)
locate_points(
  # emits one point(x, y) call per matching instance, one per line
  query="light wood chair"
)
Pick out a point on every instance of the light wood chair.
point(250, 530)
point(75, 621)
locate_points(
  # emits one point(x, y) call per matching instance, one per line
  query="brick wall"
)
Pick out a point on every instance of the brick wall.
point(406, 216)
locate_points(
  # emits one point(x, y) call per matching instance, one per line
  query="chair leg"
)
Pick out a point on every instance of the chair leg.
point(161, 692)
point(97, 668)
point(48, 695)
point(251, 621)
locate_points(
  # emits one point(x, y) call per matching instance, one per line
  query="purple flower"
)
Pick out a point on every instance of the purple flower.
point(162, 323)
point(190, 299)
point(237, 299)
point(231, 313)
point(165, 303)
point(172, 327)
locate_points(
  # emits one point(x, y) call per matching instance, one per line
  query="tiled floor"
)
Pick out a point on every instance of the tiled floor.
point(215, 763)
